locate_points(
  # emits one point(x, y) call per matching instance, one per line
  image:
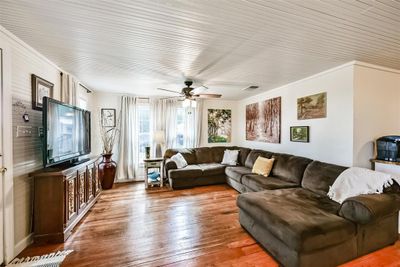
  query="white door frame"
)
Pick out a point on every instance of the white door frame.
point(8, 178)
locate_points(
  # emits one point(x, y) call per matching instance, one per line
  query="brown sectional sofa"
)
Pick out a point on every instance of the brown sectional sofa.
point(289, 212)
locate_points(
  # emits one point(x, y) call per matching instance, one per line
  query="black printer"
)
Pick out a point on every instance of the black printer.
point(388, 148)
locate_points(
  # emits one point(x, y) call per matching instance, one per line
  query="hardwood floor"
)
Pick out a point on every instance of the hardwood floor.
point(196, 227)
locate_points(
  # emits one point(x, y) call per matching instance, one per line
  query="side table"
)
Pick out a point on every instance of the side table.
point(153, 163)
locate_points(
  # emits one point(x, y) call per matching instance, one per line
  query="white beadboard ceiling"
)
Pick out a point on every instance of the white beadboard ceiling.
point(137, 46)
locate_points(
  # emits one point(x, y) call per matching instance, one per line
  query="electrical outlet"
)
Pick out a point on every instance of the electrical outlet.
point(24, 131)
point(40, 132)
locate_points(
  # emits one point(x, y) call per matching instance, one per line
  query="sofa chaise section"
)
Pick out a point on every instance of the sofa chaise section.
point(303, 227)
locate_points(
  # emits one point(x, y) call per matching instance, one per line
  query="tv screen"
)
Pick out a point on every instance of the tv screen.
point(66, 132)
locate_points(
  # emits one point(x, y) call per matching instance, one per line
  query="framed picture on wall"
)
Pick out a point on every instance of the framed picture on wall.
point(312, 106)
point(108, 117)
point(300, 134)
point(219, 125)
point(40, 89)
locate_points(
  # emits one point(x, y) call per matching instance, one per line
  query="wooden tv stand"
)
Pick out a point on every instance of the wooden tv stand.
point(62, 196)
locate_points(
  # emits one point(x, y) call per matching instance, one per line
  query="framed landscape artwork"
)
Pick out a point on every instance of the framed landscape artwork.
point(40, 89)
point(263, 121)
point(312, 106)
point(108, 117)
point(300, 134)
point(219, 125)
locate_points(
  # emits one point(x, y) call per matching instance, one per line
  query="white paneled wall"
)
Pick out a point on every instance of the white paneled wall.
point(27, 151)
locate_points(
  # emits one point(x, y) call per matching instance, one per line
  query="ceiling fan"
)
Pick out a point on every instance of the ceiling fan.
point(191, 93)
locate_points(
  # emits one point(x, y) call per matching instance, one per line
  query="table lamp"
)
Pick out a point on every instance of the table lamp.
point(159, 140)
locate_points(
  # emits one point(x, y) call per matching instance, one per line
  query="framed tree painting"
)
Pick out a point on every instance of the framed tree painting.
point(312, 106)
point(108, 117)
point(300, 134)
point(263, 121)
point(40, 89)
point(219, 125)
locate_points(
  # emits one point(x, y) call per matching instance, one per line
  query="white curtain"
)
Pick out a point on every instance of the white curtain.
point(163, 112)
point(198, 123)
point(128, 154)
point(69, 87)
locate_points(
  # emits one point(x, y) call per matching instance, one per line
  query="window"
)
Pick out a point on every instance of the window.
point(82, 103)
point(185, 126)
point(143, 130)
point(180, 127)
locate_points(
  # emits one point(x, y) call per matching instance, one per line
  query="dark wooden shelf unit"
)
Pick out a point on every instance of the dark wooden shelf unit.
point(62, 196)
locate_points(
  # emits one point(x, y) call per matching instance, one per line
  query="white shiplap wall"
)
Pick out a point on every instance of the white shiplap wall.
point(26, 150)
point(27, 156)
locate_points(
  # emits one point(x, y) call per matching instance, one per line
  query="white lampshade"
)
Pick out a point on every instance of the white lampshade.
point(159, 137)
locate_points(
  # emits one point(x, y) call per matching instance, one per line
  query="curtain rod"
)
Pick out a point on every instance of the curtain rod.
point(87, 89)
point(81, 84)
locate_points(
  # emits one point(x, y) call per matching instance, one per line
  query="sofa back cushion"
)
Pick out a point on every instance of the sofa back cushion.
point(318, 176)
point(254, 154)
point(218, 153)
point(203, 155)
point(289, 168)
point(243, 153)
point(187, 153)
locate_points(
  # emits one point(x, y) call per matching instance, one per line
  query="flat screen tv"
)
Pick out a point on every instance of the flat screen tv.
point(66, 131)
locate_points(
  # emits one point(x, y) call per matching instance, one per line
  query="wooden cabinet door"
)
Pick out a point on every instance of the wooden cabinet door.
point(70, 203)
point(90, 182)
point(97, 184)
point(82, 185)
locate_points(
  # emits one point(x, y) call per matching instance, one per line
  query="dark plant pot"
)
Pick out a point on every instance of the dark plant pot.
point(107, 169)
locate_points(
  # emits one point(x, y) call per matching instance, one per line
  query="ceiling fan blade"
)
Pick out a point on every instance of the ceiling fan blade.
point(199, 90)
point(171, 91)
point(207, 96)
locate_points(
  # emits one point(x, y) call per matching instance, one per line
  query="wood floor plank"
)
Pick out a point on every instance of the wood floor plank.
point(130, 226)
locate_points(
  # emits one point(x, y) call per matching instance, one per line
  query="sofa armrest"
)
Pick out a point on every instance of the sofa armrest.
point(367, 208)
point(169, 165)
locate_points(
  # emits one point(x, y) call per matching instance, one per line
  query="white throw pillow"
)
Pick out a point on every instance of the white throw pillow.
point(179, 160)
point(230, 157)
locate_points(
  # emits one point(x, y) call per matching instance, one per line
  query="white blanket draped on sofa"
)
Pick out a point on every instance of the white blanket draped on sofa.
point(357, 181)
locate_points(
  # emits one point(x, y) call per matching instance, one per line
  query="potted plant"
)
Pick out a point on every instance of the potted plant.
point(108, 167)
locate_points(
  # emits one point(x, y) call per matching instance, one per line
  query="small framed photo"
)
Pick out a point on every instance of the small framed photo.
point(300, 134)
point(108, 117)
point(40, 89)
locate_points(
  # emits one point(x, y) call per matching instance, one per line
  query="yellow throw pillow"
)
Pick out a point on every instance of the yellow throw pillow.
point(263, 166)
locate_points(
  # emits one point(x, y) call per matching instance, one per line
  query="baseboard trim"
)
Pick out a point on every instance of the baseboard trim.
point(18, 248)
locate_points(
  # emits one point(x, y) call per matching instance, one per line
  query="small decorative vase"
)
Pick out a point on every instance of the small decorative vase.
point(107, 170)
point(147, 149)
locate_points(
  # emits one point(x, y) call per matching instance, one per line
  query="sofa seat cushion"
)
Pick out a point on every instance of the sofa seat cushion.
point(190, 171)
point(257, 182)
point(212, 168)
point(301, 219)
point(237, 172)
